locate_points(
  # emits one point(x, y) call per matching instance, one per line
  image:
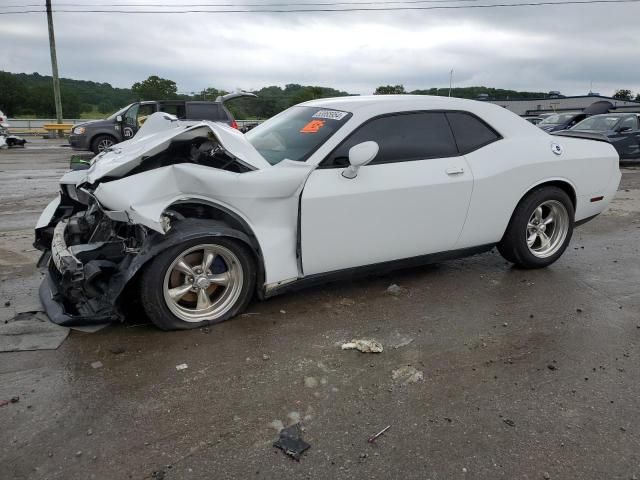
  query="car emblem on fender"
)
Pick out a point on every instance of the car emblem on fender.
point(556, 148)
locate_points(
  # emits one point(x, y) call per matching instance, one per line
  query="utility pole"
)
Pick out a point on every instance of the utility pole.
point(54, 67)
point(450, 81)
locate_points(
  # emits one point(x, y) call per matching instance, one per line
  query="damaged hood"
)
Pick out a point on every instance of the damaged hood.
point(156, 135)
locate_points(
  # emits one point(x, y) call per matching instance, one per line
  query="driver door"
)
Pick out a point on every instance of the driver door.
point(135, 117)
point(410, 200)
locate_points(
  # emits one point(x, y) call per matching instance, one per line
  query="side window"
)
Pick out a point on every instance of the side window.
point(401, 138)
point(173, 109)
point(630, 122)
point(471, 133)
point(143, 113)
point(205, 111)
point(131, 115)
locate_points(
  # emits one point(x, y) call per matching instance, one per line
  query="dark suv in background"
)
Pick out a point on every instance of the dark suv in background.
point(561, 121)
point(98, 135)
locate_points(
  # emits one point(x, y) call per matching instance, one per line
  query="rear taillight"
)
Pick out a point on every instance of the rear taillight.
point(234, 124)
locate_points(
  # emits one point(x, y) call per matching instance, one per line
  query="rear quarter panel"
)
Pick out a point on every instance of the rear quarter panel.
point(506, 170)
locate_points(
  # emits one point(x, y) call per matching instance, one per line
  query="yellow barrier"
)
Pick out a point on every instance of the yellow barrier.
point(56, 127)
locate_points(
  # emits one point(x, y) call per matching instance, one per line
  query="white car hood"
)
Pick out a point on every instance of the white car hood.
point(156, 135)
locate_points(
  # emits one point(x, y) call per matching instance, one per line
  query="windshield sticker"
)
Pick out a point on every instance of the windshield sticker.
point(313, 126)
point(329, 114)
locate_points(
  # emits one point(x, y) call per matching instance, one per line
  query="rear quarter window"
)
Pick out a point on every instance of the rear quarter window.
point(470, 132)
point(206, 111)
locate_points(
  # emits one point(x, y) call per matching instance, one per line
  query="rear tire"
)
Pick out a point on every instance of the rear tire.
point(540, 228)
point(101, 143)
point(200, 282)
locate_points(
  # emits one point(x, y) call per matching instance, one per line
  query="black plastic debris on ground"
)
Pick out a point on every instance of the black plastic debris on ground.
point(291, 442)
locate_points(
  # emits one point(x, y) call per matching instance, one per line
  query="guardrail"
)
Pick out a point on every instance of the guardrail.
point(35, 126)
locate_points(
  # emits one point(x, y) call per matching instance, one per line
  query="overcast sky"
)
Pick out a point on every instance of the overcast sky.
point(528, 48)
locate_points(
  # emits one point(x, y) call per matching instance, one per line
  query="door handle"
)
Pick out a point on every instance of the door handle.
point(454, 171)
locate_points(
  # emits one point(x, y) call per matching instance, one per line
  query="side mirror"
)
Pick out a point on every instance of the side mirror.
point(623, 129)
point(119, 118)
point(360, 155)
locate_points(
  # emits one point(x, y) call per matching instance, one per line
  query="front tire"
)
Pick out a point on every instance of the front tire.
point(540, 228)
point(101, 142)
point(200, 282)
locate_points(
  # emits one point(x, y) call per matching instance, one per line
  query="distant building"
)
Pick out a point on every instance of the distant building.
point(555, 102)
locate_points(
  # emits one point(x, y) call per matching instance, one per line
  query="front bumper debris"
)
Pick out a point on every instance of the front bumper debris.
point(83, 250)
point(63, 259)
point(54, 306)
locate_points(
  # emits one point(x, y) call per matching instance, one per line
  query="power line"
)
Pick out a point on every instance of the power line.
point(356, 9)
point(265, 5)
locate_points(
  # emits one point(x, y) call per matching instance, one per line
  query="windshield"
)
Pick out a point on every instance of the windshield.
point(119, 112)
point(558, 118)
point(598, 122)
point(295, 133)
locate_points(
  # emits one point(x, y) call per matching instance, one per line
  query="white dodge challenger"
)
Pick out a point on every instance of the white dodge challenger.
point(192, 219)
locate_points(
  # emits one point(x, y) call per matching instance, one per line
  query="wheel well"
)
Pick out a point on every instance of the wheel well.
point(209, 212)
point(568, 189)
point(190, 209)
point(101, 134)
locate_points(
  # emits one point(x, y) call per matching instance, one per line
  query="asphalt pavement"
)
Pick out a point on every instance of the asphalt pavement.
point(487, 371)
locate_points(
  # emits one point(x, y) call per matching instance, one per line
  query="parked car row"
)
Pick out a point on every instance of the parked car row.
point(622, 130)
point(560, 121)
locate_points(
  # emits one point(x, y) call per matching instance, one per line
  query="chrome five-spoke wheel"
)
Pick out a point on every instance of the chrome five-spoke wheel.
point(547, 228)
point(203, 283)
point(540, 228)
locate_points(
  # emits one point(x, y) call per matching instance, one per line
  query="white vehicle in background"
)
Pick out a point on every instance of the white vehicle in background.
point(200, 218)
point(6, 139)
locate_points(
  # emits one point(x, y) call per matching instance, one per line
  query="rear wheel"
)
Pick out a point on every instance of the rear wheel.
point(540, 229)
point(199, 282)
point(101, 143)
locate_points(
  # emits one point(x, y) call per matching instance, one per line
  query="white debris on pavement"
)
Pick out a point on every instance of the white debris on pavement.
point(310, 382)
point(363, 345)
point(182, 366)
point(394, 290)
point(96, 364)
point(347, 302)
point(293, 417)
point(277, 425)
point(407, 375)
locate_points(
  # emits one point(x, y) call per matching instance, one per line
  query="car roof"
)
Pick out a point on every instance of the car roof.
point(393, 103)
point(368, 106)
point(616, 114)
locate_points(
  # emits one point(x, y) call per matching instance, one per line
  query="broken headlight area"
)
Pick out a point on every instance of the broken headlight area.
point(200, 150)
point(88, 251)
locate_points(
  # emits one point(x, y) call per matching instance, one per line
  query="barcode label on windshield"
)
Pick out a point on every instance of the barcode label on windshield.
point(329, 114)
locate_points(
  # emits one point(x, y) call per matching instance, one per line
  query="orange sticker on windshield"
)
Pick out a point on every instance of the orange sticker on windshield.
point(313, 126)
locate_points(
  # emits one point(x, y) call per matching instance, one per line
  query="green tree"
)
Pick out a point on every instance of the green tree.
point(389, 90)
point(155, 88)
point(12, 94)
point(622, 94)
point(637, 99)
point(105, 107)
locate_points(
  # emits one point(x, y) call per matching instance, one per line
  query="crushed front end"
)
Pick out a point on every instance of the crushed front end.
point(87, 255)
